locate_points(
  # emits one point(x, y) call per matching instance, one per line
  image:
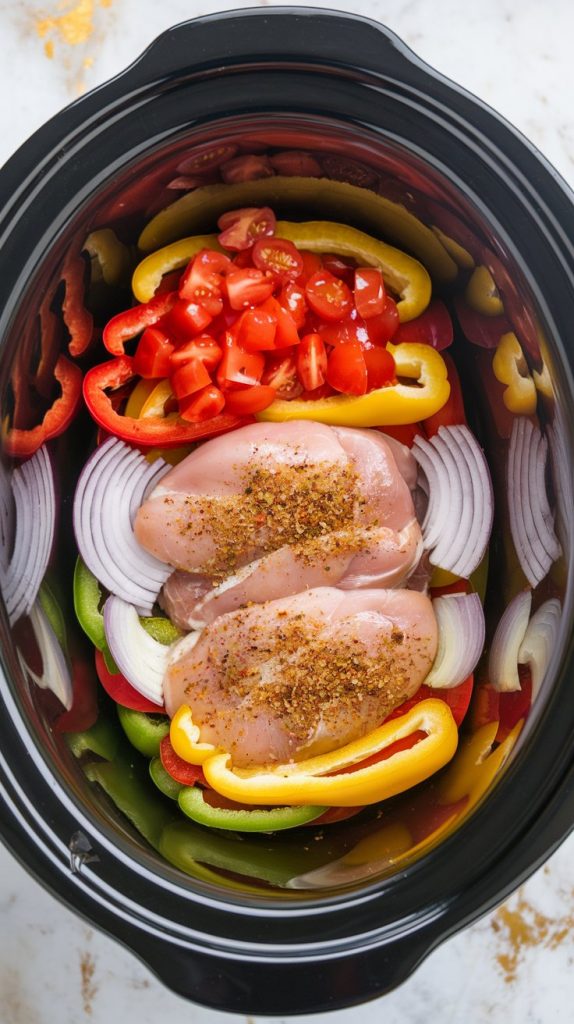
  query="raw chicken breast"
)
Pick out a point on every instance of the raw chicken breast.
point(276, 508)
point(302, 675)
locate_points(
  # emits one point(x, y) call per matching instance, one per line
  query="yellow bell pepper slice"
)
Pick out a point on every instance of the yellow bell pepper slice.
point(309, 782)
point(401, 273)
point(147, 276)
point(510, 367)
point(460, 255)
point(481, 293)
point(198, 211)
point(393, 406)
point(113, 257)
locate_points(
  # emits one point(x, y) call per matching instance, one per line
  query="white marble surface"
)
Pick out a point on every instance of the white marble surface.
point(516, 964)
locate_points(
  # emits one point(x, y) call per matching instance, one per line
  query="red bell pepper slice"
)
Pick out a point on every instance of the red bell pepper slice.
point(152, 430)
point(484, 331)
point(77, 318)
point(133, 321)
point(23, 443)
point(182, 771)
point(451, 414)
point(121, 691)
point(515, 704)
point(84, 710)
point(433, 327)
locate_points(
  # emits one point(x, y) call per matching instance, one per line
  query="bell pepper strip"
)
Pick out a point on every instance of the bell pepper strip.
point(476, 765)
point(482, 295)
point(144, 731)
point(452, 412)
point(182, 771)
point(395, 405)
point(148, 274)
point(50, 329)
point(510, 368)
point(432, 327)
point(543, 382)
point(150, 431)
point(131, 322)
point(484, 331)
point(77, 318)
point(22, 443)
point(193, 803)
point(102, 739)
point(123, 782)
point(163, 780)
point(120, 690)
point(460, 255)
point(87, 599)
point(199, 210)
point(312, 780)
point(84, 710)
point(458, 699)
point(53, 612)
point(112, 256)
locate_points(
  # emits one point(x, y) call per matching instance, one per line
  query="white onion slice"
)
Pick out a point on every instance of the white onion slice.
point(506, 643)
point(34, 525)
point(531, 519)
point(461, 631)
point(140, 658)
point(55, 670)
point(458, 520)
point(540, 641)
point(562, 477)
point(112, 486)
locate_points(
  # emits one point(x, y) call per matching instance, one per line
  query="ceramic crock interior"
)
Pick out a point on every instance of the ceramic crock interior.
point(434, 220)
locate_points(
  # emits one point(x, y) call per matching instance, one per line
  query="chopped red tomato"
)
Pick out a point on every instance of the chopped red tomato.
point(383, 328)
point(311, 361)
point(380, 367)
point(118, 688)
point(203, 405)
point(328, 296)
point(281, 373)
point(279, 257)
point(250, 400)
point(246, 168)
point(312, 262)
point(182, 771)
point(204, 348)
point(339, 267)
point(189, 378)
point(240, 229)
point(370, 295)
point(186, 319)
point(347, 370)
point(352, 329)
point(202, 281)
point(256, 331)
point(292, 300)
point(152, 357)
point(433, 327)
point(248, 287)
point(239, 367)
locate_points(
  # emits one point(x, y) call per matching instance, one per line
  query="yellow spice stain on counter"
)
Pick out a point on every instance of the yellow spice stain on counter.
point(519, 927)
point(71, 31)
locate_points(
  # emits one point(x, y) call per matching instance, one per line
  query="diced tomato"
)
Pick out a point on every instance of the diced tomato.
point(339, 267)
point(352, 329)
point(204, 348)
point(281, 373)
point(287, 334)
point(249, 400)
point(202, 281)
point(323, 391)
point(204, 161)
point(279, 257)
point(312, 262)
point(370, 295)
point(292, 299)
point(405, 434)
point(295, 163)
point(202, 405)
point(240, 229)
point(380, 367)
point(246, 168)
point(186, 319)
point(182, 771)
point(248, 288)
point(243, 259)
point(256, 331)
point(452, 413)
point(311, 361)
point(384, 327)
point(118, 688)
point(347, 370)
point(343, 169)
point(328, 296)
point(152, 357)
point(239, 367)
point(189, 378)
point(433, 327)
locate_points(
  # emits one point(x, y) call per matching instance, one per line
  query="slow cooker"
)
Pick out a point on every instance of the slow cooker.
point(318, 919)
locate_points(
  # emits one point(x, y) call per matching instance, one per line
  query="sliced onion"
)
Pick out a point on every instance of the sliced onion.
point(35, 520)
point(531, 519)
point(461, 631)
point(562, 477)
point(6, 517)
point(540, 641)
point(55, 670)
point(140, 658)
point(113, 484)
point(458, 520)
point(509, 636)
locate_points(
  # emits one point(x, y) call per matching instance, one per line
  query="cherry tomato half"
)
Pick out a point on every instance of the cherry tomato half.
point(347, 370)
point(256, 331)
point(202, 281)
point(246, 168)
point(339, 267)
point(250, 400)
point(240, 229)
point(204, 161)
point(279, 257)
point(328, 296)
point(380, 367)
point(385, 326)
point(370, 295)
point(281, 373)
point(311, 361)
point(292, 299)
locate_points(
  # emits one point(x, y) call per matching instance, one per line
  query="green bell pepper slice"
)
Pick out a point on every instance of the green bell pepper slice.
point(122, 781)
point(144, 731)
point(101, 739)
point(192, 802)
point(87, 601)
point(163, 780)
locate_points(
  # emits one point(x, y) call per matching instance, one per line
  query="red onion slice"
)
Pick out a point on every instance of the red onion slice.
point(55, 670)
point(140, 658)
point(461, 631)
point(531, 519)
point(112, 486)
point(540, 640)
point(508, 638)
point(458, 520)
point(34, 518)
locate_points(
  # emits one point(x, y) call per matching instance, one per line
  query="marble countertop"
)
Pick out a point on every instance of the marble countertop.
point(516, 963)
